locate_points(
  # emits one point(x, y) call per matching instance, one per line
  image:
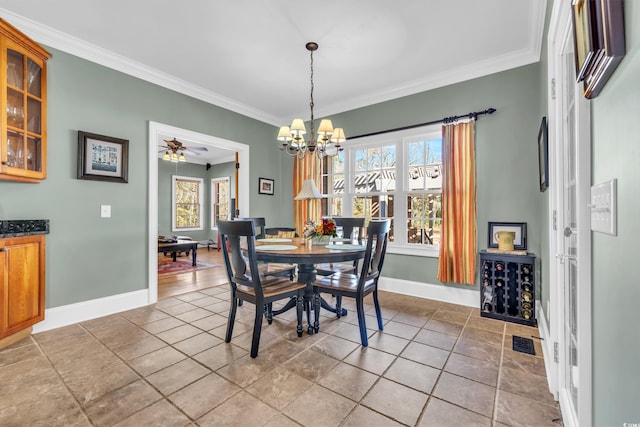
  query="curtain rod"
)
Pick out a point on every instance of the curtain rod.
point(451, 119)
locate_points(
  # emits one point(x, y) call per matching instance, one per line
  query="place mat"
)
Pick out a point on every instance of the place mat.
point(273, 240)
point(276, 248)
point(345, 247)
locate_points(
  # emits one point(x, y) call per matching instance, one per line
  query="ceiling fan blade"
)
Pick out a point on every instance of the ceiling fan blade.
point(197, 148)
point(192, 152)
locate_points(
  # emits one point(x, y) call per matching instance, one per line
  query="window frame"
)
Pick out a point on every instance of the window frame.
point(401, 140)
point(214, 183)
point(174, 215)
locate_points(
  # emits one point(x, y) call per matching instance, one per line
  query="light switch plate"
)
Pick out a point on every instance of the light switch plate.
point(603, 207)
point(105, 211)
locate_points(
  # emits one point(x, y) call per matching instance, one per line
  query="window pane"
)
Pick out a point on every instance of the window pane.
point(424, 218)
point(187, 203)
point(374, 207)
point(425, 164)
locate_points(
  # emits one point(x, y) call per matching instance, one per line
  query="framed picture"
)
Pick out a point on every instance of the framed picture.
point(520, 228)
point(543, 155)
point(102, 158)
point(599, 43)
point(265, 186)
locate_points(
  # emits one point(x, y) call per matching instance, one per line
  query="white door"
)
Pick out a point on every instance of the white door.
point(572, 320)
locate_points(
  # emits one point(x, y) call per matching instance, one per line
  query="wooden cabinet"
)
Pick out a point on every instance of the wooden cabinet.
point(23, 107)
point(22, 271)
point(507, 287)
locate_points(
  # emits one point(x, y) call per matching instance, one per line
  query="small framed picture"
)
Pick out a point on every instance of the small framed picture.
point(520, 228)
point(543, 155)
point(102, 158)
point(265, 186)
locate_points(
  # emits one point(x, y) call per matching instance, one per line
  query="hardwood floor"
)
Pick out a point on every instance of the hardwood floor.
point(179, 283)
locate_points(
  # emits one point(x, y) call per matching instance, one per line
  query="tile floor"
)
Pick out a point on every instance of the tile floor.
point(435, 364)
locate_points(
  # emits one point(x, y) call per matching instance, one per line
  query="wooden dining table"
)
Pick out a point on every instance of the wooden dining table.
point(298, 251)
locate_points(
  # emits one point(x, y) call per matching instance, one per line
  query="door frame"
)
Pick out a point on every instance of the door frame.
point(559, 30)
point(155, 132)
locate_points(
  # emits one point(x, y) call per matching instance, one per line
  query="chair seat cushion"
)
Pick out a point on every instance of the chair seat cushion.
point(341, 281)
point(273, 287)
point(327, 269)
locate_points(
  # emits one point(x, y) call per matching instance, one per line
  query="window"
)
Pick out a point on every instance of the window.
point(220, 201)
point(392, 175)
point(187, 203)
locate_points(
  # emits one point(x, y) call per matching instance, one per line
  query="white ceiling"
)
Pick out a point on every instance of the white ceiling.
point(250, 57)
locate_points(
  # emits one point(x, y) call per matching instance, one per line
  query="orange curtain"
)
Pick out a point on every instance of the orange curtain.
point(458, 243)
point(306, 168)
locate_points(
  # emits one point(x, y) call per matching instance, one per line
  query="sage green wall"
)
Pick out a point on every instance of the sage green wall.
point(543, 287)
point(90, 257)
point(506, 151)
point(616, 292)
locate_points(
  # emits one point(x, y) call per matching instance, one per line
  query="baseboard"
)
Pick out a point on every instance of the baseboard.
point(547, 349)
point(86, 310)
point(468, 297)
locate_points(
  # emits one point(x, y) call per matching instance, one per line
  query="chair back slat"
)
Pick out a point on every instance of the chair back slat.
point(259, 224)
point(377, 237)
point(241, 269)
point(348, 224)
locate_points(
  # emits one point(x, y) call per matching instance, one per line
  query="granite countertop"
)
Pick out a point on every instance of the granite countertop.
point(23, 227)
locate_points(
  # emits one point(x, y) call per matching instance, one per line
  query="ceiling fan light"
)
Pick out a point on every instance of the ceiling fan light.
point(174, 157)
point(166, 156)
point(182, 158)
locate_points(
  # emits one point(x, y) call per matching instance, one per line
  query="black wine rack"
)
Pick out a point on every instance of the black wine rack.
point(507, 287)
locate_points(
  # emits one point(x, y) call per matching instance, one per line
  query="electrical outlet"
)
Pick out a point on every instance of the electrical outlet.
point(105, 211)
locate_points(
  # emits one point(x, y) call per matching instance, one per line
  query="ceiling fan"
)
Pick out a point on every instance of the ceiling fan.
point(175, 150)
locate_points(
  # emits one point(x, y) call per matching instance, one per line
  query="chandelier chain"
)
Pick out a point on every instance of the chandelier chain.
point(312, 139)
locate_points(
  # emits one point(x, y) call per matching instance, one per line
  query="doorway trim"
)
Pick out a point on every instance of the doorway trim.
point(155, 131)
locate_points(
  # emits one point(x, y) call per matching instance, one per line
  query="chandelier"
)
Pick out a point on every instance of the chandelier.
point(174, 157)
point(325, 143)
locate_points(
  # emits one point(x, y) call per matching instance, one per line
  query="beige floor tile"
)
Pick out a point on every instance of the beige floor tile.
point(90, 385)
point(121, 403)
point(161, 325)
point(220, 355)
point(279, 387)
point(246, 370)
point(335, 347)
point(350, 332)
point(210, 322)
point(161, 413)
point(179, 308)
point(412, 374)
point(193, 315)
point(411, 319)
point(425, 354)
point(463, 392)
point(486, 323)
point(197, 343)
point(440, 413)
point(516, 410)
point(444, 327)
point(370, 359)
point(363, 416)
point(388, 343)
point(139, 347)
point(176, 376)
point(310, 364)
point(534, 387)
point(180, 333)
point(319, 407)
point(241, 409)
point(478, 350)
point(524, 362)
point(436, 339)
point(281, 420)
point(348, 381)
point(482, 335)
point(22, 350)
point(205, 301)
point(200, 397)
point(396, 401)
point(474, 369)
point(401, 330)
point(153, 362)
point(450, 316)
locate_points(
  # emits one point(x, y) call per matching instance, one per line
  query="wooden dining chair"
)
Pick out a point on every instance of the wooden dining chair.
point(269, 269)
point(348, 226)
point(248, 285)
point(358, 286)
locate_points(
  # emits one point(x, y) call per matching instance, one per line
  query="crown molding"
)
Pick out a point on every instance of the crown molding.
point(80, 48)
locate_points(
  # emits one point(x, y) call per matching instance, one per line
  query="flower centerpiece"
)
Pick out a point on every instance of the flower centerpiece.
point(319, 233)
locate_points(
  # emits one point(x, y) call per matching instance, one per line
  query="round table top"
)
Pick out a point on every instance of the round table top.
point(305, 254)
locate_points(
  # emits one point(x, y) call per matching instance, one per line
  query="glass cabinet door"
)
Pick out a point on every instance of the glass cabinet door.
point(23, 151)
